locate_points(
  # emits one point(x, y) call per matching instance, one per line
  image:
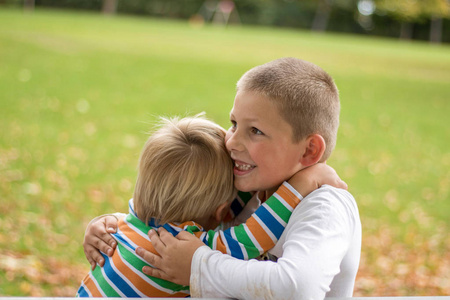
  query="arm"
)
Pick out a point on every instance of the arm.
point(181, 260)
point(319, 234)
point(260, 232)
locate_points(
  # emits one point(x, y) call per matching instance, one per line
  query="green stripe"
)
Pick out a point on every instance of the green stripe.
point(192, 229)
point(139, 264)
point(136, 222)
point(103, 283)
point(282, 211)
point(243, 238)
point(211, 234)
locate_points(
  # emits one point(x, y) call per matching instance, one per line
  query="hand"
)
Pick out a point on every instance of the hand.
point(307, 180)
point(97, 238)
point(174, 262)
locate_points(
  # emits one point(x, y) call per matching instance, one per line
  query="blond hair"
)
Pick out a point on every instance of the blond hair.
point(185, 171)
point(305, 95)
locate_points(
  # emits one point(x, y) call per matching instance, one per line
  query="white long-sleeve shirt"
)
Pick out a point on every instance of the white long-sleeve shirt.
point(318, 252)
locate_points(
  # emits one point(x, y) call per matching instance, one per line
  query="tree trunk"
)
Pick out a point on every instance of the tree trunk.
point(406, 31)
point(322, 16)
point(109, 7)
point(436, 30)
point(29, 5)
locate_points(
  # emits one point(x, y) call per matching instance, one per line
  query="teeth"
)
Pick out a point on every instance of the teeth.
point(243, 167)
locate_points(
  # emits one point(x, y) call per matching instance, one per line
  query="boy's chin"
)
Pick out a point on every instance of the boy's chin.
point(242, 187)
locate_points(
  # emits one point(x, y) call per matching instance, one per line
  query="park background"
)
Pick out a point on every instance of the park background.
point(81, 83)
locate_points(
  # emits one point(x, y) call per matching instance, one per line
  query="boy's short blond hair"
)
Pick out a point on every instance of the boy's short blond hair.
point(306, 97)
point(185, 171)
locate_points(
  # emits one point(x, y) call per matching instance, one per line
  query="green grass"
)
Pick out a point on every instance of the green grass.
point(78, 91)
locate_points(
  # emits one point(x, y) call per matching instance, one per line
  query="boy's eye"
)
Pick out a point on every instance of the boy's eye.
point(256, 131)
point(233, 125)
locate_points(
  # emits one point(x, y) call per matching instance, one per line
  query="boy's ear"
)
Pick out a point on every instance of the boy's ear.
point(221, 212)
point(315, 147)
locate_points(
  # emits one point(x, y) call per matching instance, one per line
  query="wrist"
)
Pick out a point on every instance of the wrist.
point(196, 273)
point(303, 184)
point(293, 190)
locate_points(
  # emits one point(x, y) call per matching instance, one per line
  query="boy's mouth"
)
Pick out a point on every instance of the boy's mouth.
point(242, 167)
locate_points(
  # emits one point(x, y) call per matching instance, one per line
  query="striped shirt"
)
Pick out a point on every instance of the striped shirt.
point(122, 275)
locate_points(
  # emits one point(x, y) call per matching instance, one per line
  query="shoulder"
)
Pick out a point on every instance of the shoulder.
point(329, 204)
point(331, 196)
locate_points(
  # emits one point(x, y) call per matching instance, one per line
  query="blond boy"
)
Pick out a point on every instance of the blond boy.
point(285, 118)
point(185, 182)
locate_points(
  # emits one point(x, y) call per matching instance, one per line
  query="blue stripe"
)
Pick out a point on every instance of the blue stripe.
point(233, 245)
point(117, 280)
point(122, 241)
point(82, 292)
point(131, 207)
point(270, 221)
point(170, 229)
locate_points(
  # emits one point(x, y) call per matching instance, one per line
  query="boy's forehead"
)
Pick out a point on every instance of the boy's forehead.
point(248, 101)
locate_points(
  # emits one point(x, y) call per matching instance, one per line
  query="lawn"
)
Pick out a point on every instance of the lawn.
point(79, 91)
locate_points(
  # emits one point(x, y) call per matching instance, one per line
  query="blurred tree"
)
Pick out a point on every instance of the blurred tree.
point(109, 7)
point(322, 15)
point(417, 19)
point(408, 12)
point(29, 5)
point(437, 11)
point(324, 9)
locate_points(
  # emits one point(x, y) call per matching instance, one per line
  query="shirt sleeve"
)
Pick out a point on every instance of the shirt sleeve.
point(315, 242)
point(261, 231)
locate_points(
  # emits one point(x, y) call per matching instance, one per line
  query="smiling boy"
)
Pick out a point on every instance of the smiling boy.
point(284, 119)
point(260, 143)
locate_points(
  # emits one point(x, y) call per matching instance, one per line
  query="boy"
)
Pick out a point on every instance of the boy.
point(285, 111)
point(185, 182)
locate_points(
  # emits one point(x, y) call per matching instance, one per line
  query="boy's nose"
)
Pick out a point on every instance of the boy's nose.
point(232, 141)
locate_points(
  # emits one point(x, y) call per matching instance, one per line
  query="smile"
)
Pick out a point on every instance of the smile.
point(243, 167)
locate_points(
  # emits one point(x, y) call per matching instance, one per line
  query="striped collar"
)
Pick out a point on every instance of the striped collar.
point(174, 227)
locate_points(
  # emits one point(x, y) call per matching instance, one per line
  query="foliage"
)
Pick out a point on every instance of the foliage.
point(78, 91)
point(415, 10)
point(389, 18)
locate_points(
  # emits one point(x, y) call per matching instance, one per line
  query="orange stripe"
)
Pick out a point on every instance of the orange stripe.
point(260, 234)
point(135, 237)
point(288, 196)
point(142, 285)
point(220, 246)
point(90, 285)
point(184, 224)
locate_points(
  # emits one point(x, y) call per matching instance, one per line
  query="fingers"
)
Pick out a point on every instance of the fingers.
point(155, 263)
point(341, 184)
point(175, 255)
point(153, 259)
point(155, 238)
point(186, 236)
point(98, 239)
point(92, 255)
point(155, 273)
point(167, 238)
point(106, 243)
point(111, 224)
